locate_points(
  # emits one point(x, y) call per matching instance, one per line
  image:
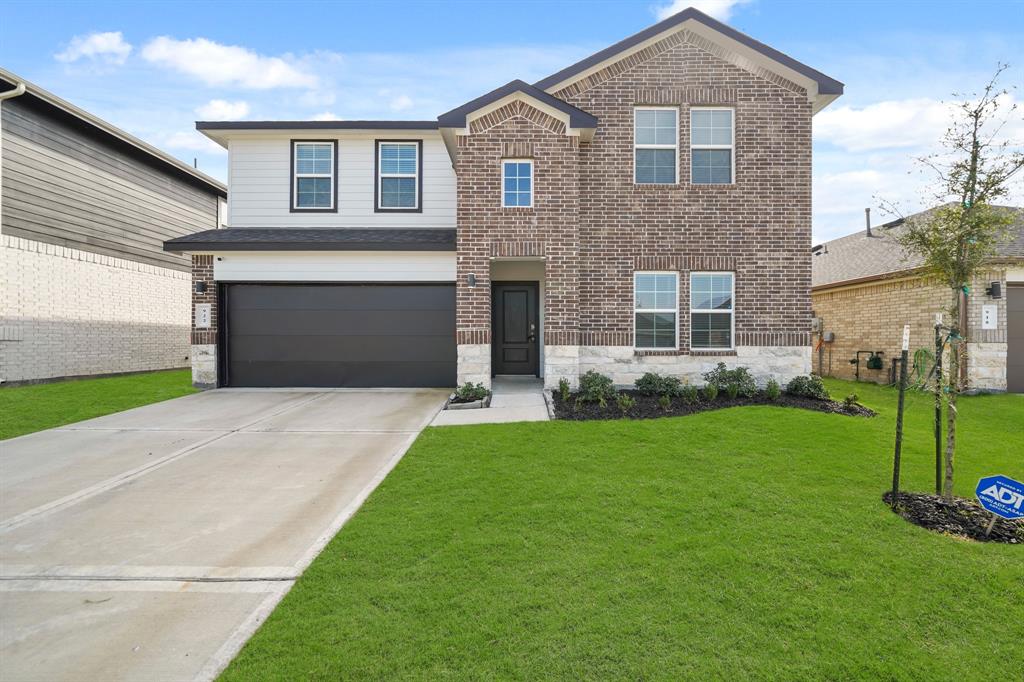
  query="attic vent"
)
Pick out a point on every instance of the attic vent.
point(819, 250)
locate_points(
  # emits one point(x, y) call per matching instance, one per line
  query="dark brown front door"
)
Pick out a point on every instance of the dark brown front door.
point(1015, 339)
point(515, 328)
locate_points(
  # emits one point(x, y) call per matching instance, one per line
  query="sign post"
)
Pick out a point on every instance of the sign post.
point(899, 417)
point(1002, 496)
point(938, 403)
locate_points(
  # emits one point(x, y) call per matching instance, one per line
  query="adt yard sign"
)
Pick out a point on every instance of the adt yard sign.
point(1002, 496)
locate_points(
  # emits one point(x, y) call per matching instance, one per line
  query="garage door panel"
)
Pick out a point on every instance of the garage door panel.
point(340, 335)
point(1015, 339)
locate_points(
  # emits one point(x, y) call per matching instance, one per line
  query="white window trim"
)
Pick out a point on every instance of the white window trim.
point(656, 146)
point(296, 175)
point(533, 182)
point(730, 147)
point(381, 175)
point(731, 312)
point(636, 310)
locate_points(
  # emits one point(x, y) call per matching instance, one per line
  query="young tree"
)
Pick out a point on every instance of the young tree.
point(972, 172)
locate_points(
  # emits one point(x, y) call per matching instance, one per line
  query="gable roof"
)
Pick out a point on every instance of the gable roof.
point(825, 85)
point(130, 142)
point(859, 258)
point(456, 118)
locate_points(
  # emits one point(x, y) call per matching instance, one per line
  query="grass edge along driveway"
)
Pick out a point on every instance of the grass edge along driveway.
point(748, 542)
point(35, 407)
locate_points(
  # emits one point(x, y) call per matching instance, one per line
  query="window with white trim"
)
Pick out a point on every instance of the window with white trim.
point(711, 146)
point(516, 183)
point(655, 310)
point(711, 310)
point(398, 176)
point(655, 145)
point(313, 184)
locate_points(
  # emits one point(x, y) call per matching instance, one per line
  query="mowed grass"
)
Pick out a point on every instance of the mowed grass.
point(24, 409)
point(748, 543)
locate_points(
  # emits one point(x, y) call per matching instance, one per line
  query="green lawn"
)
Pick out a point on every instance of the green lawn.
point(748, 543)
point(24, 409)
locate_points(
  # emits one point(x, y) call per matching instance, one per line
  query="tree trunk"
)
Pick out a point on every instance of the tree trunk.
point(954, 388)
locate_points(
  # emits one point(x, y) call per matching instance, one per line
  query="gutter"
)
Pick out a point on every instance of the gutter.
point(18, 91)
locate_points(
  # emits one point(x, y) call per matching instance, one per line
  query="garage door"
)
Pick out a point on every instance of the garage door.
point(1015, 338)
point(352, 335)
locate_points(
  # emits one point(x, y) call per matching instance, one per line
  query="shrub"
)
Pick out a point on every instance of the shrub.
point(689, 394)
point(665, 402)
point(772, 390)
point(653, 383)
point(596, 388)
point(625, 401)
point(808, 387)
point(850, 400)
point(732, 390)
point(468, 392)
point(563, 389)
point(711, 392)
point(722, 377)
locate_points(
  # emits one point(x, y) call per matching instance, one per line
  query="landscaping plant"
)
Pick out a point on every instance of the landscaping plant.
point(807, 386)
point(732, 390)
point(563, 389)
point(972, 172)
point(722, 377)
point(688, 394)
point(850, 400)
point(626, 402)
point(665, 402)
point(711, 392)
point(772, 390)
point(596, 388)
point(653, 383)
point(469, 392)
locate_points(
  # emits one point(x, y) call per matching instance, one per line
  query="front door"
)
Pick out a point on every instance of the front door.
point(514, 326)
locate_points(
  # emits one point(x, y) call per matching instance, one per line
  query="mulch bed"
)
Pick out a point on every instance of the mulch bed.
point(961, 517)
point(647, 406)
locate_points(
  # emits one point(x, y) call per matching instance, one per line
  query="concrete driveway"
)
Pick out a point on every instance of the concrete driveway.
point(149, 544)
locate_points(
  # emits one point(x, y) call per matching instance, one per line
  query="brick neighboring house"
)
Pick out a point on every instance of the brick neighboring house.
point(648, 208)
point(87, 288)
point(865, 288)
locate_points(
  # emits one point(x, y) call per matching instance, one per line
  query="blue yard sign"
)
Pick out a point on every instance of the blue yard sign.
point(1002, 496)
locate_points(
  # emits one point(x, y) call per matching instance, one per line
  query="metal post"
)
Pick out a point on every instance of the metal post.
point(938, 403)
point(899, 417)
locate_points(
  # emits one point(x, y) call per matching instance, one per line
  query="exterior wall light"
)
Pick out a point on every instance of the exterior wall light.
point(471, 280)
point(200, 287)
point(995, 290)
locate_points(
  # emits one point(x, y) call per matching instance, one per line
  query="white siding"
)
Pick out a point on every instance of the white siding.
point(259, 180)
point(336, 266)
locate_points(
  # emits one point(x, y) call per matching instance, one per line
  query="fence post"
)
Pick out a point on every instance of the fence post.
point(938, 403)
point(899, 417)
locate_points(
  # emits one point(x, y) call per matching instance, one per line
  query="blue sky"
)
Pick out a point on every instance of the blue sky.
point(154, 68)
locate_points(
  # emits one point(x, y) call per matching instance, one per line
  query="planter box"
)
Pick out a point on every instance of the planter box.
point(476, 404)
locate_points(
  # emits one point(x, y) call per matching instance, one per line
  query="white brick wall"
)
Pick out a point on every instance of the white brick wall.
point(65, 312)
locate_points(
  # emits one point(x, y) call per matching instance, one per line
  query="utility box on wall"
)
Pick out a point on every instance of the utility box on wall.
point(989, 316)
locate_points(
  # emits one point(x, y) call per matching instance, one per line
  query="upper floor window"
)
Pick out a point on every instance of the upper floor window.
point(314, 165)
point(711, 146)
point(656, 145)
point(655, 309)
point(711, 310)
point(398, 175)
point(517, 183)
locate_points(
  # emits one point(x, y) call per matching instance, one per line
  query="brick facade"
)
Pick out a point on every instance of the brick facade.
point(204, 341)
point(595, 226)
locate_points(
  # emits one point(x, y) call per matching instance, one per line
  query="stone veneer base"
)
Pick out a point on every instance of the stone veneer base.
point(204, 366)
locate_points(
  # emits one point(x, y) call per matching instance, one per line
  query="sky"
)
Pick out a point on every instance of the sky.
point(154, 68)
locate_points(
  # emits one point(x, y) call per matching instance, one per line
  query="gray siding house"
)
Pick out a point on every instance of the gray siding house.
point(87, 288)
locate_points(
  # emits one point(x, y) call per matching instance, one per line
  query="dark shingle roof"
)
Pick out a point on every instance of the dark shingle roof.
point(316, 125)
point(858, 257)
point(456, 118)
point(291, 239)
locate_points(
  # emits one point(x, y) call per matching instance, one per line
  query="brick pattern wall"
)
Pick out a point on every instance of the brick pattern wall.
point(66, 312)
point(202, 271)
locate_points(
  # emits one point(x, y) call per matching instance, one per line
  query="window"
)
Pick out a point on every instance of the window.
point(711, 308)
point(313, 165)
point(517, 183)
point(656, 145)
point(398, 176)
point(711, 146)
point(656, 306)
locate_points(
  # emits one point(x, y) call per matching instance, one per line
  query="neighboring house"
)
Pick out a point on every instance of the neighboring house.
point(646, 209)
point(866, 287)
point(84, 211)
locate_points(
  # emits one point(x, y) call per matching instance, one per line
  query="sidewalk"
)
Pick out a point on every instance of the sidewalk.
point(514, 399)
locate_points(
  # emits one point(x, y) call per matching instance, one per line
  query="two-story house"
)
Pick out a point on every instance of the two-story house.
point(648, 208)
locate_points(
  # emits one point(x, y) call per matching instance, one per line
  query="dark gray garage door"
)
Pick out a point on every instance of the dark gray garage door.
point(354, 335)
point(1015, 339)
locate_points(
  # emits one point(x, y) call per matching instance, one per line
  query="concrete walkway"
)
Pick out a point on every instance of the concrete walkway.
point(514, 399)
point(150, 544)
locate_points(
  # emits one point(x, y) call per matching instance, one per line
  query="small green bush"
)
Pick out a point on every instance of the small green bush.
point(689, 394)
point(722, 377)
point(626, 402)
point(665, 402)
point(808, 387)
point(468, 392)
point(711, 392)
point(596, 388)
point(772, 390)
point(653, 383)
point(563, 389)
point(732, 390)
point(851, 400)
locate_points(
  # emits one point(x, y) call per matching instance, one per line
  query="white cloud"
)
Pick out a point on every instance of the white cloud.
point(192, 140)
point(223, 110)
point(226, 65)
point(719, 9)
point(401, 103)
point(109, 48)
point(883, 125)
point(327, 116)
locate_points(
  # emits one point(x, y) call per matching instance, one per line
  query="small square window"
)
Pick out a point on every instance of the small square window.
point(517, 183)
